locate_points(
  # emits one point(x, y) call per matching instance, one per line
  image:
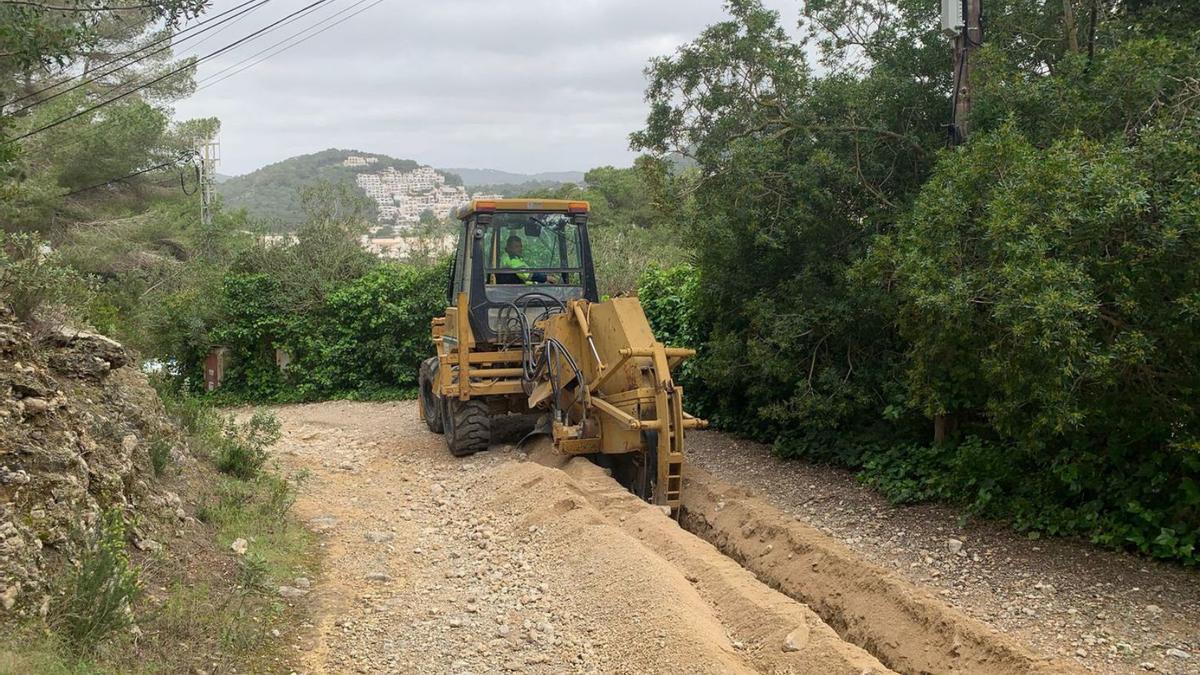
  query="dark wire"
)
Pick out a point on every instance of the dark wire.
point(176, 71)
point(183, 186)
point(132, 53)
point(156, 167)
point(553, 353)
point(209, 81)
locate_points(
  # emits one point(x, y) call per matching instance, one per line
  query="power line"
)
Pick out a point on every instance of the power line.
point(156, 167)
point(217, 32)
point(65, 8)
point(209, 81)
point(160, 78)
point(132, 53)
point(319, 22)
point(210, 77)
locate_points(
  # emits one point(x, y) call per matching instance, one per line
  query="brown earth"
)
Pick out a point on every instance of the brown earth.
point(493, 564)
point(1106, 611)
point(496, 563)
point(909, 628)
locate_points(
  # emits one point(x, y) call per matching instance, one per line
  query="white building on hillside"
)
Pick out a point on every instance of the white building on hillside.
point(356, 160)
point(402, 196)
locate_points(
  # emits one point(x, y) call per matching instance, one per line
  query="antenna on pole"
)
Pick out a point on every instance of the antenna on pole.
point(210, 154)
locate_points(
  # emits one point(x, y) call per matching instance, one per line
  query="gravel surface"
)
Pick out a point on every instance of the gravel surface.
point(496, 564)
point(1110, 612)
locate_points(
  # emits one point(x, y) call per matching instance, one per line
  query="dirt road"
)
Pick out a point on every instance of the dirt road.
point(502, 564)
point(496, 564)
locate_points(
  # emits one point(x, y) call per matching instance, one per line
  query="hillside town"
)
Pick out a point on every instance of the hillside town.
point(402, 196)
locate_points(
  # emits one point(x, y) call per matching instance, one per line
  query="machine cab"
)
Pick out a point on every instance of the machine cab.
point(535, 251)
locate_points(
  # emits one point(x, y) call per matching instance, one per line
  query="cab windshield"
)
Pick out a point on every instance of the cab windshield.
point(528, 249)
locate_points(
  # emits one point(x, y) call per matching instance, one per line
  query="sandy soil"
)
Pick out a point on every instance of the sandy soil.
point(508, 562)
point(1106, 611)
point(499, 564)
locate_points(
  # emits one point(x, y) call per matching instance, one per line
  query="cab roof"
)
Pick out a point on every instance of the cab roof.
point(520, 204)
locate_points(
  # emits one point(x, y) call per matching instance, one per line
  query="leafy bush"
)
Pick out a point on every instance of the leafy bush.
point(160, 455)
point(242, 448)
point(1033, 294)
point(669, 298)
point(366, 337)
point(32, 277)
point(102, 589)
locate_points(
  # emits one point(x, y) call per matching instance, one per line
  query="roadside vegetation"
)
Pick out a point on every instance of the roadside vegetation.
point(1010, 325)
point(94, 231)
point(119, 609)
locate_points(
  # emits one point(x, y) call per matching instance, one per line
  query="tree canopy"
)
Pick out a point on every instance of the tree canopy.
point(1033, 290)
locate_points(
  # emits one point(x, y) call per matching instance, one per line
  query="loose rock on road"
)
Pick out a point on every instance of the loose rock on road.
point(498, 564)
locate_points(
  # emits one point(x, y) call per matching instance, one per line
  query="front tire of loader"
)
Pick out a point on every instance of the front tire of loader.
point(431, 406)
point(468, 426)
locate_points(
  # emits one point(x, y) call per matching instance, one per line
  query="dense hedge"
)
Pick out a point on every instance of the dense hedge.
point(366, 339)
point(1012, 324)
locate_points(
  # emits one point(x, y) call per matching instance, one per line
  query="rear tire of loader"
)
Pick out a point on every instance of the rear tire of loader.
point(468, 426)
point(431, 404)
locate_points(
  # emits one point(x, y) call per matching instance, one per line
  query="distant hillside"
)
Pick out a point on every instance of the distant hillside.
point(528, 189)
point(476, 177)
point(272, 192)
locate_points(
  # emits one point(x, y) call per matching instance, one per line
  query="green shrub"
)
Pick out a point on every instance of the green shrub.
point(160, 455)
point(670, 299)
point(253, 574)
point(33, 277)
point(365, 339)
point(242, 448)
point(102, 589)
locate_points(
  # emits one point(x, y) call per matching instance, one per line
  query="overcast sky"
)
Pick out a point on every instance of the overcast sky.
point(517, 85)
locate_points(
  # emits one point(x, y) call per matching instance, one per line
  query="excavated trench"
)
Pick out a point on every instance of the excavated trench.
point(907, 628)
point(792, 588)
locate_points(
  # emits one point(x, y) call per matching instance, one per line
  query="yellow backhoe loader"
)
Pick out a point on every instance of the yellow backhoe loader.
point(525, 332)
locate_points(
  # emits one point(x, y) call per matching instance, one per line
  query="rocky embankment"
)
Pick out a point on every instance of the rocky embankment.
point(78, 424)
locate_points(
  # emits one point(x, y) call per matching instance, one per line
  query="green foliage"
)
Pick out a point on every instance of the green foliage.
point(1035, 291)
point(160, 455)
point(33, 277)
point(71, 148)
point(102, 588)
point(369, 334)
point(374, 333)
point(670, 299)
point(241, 450)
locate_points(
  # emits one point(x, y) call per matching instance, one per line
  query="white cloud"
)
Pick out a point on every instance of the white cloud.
point(520, 85)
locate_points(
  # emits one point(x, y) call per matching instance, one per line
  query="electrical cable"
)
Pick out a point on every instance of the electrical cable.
point(219, 31)
point(128, 54)
point(183, 186)
point(208, 81)
point(156, 167)
point(280, 42)
point(160, 78)
point(210, 77)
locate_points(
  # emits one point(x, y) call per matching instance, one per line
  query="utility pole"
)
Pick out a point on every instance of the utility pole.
point(210, 154)
point(963, 19)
